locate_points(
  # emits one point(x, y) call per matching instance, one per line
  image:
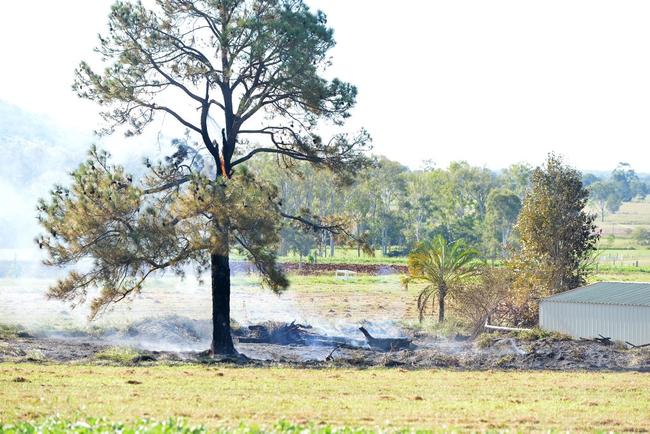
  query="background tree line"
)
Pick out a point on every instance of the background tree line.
point(394, 208)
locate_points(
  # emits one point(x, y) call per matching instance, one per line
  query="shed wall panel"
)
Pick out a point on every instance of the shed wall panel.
point(583, 320)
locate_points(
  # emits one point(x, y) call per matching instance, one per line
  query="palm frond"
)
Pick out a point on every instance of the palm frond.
point(442, 264)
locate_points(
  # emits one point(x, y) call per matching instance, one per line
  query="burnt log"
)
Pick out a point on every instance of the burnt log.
point(385, 344)
point(277, 333)
point(604, 340)
point(601, 340)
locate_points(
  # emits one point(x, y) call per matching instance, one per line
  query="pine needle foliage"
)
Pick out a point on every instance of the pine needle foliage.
point(118, 231)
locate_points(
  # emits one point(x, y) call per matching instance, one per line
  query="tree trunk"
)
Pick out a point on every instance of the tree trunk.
point(442, 291)
point(221, 337)
point(358, 243)
point(331, 245)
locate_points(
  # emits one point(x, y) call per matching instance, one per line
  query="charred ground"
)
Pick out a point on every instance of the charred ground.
point(289, 344)
point(315, 324)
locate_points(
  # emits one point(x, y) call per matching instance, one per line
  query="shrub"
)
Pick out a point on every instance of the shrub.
point(451, 328)
point(485, 298)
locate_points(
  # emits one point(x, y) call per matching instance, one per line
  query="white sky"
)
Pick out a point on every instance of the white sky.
point(490, 82)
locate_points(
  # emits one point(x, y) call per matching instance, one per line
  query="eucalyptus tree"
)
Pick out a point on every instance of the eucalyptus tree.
point(605, 196)
point(516, 178)
point(386, 187)
point(418, 204)
point(626, 182)
point(558, 234)
point(305, 187)
point(470, 187)
point(359, 205)
point(503, 208)
point(252, 67)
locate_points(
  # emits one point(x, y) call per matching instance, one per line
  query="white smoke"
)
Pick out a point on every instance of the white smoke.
point(169, 314)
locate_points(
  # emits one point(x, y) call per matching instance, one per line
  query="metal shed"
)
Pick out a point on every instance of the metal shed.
point(619, 310)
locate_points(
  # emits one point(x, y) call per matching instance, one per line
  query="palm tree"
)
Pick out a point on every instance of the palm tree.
point(444, 266)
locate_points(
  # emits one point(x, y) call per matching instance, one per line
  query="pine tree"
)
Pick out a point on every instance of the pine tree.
point(255, 65)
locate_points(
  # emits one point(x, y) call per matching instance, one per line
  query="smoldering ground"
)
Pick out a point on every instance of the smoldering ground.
point(169, 315)
point(169, 321)
point(172, 314)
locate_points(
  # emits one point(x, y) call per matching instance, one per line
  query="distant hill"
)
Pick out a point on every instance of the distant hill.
point(34, 154)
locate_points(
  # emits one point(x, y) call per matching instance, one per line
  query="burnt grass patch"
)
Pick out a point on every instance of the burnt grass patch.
point(298, 345)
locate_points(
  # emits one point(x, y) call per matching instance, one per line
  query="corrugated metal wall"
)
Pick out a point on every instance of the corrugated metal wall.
point(583, 320)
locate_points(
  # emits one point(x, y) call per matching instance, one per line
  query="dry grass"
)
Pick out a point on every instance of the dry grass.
point(393, 398)
point(630, 214)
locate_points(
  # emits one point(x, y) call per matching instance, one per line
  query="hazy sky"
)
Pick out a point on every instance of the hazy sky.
point(490, 82)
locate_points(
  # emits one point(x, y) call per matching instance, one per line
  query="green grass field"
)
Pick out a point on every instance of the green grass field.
point(374, 398)
point(620, 257)
point(617, 228)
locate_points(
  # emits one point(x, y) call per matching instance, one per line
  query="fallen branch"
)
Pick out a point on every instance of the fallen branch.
point(329, 357)
point(637, 346)
point(386, 344)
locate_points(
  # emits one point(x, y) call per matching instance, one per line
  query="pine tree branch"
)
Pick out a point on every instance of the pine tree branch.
point(176, 183)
